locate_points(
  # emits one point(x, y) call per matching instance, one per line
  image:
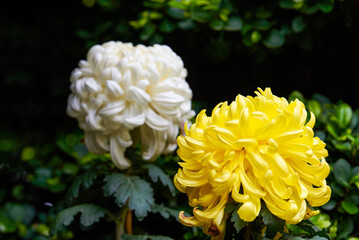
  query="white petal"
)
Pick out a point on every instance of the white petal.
point(113, 89)
point(171, 140)
point(143, 84)
point(93, 120)
point(92, 86)
point(118, 154)
point(153, 142)
point(96, 142)
point(73, 106)
point(137, 95)
point(134, 116)
point(168, 99)
point(112, 108)
point(155, 121)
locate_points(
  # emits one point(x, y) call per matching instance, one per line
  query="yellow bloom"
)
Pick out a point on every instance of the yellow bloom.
point(256, 148)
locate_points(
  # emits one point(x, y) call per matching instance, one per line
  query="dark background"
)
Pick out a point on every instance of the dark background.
point(40, 45)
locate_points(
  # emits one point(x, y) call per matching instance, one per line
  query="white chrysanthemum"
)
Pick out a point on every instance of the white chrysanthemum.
point(124, 94)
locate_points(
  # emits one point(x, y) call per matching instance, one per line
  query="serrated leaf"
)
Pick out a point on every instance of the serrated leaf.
point(90, 214)
point(157, 173)
point(309, 227)
point(145, 237)
point(230, 207)
point(237, 221)
point(342, 172)
point(133, 189)
point(84, 180)
point(165, 212)
point(273, 223)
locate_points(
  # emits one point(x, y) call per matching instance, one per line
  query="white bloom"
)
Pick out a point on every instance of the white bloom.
point(123, 94)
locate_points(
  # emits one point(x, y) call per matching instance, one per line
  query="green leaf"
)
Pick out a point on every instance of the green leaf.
point(186, 24)
point(157, 173)
point(175, 13)
point(84, 34)
point(90, 214)
point(309, 227)
point(273, 223)
point(263, 12)
point(145, 237)
point(216, 25)
point(237, 221)
point(261, 25)
point(330, 205)
point(147, 31)
point(345, 227)
point(321, 220)
point(298, 24)
point(256, 37)
point(344, 114)
point(165, 212)
point(332, 130)
point(20, 213)
point(321, 98)
point(234, 24)
point(314, 106)
point(349, 207)
point(230, 207)
point(199, 15)
point(325, 6)
point(274, 40)
point(337, 189)
point(177, 4)
point(167, 26)
point(286, 4)
point(84, 180)
point(27, 153)
point(133, 189)
point(296, 95)
point(7, 225)
point(342, 172)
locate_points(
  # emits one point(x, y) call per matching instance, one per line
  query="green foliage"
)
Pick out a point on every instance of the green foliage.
point(337, 124)
point(89, 214)
point(131, 190)
point(145, 237)
point(273, 223)
point(84, 180)
point(157, 173)
point(231, 16)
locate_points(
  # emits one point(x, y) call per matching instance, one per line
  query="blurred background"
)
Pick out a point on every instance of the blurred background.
point(229, 47)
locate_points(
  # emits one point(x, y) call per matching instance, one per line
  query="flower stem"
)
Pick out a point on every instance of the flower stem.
point(129, 222)
point(120, 224)
point(247, 234)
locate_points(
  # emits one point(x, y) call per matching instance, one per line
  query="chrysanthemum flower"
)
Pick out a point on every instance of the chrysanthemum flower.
point(124, 94)
point(256, 148)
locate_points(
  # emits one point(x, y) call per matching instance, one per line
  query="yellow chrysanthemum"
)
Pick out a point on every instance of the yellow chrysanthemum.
point(255, 148)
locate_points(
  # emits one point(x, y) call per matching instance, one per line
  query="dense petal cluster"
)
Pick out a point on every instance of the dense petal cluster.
point(256, 149)
point(123, 94)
